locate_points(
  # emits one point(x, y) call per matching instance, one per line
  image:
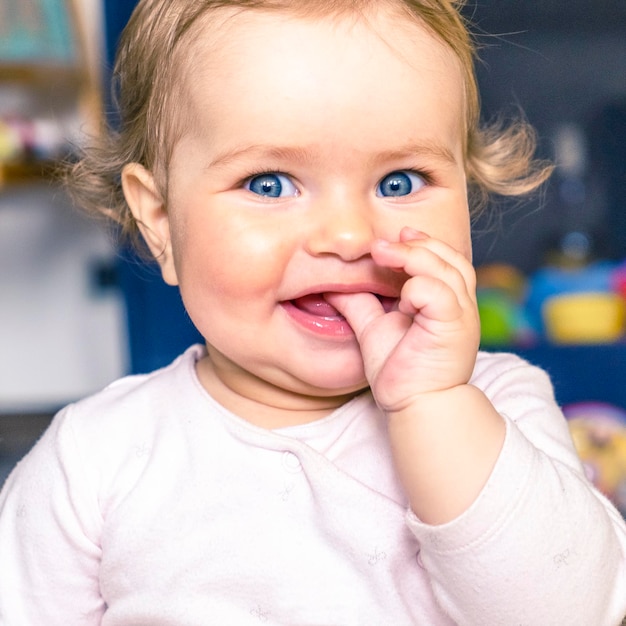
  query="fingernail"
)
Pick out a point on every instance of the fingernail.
point(411, 233)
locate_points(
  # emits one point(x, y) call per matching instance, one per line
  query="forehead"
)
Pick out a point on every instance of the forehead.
point(226, 28)
point(245, 64)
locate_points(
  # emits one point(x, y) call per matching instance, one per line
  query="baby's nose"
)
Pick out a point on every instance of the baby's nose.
point(344, 229)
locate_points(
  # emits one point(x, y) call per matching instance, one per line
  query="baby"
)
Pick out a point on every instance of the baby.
point(339, 452)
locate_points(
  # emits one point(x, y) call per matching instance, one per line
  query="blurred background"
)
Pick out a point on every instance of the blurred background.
point(77, 312)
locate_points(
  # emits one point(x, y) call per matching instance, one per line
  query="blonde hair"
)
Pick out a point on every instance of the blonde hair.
point(149, 73)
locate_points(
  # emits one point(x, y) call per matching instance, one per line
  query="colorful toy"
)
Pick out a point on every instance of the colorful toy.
point(501, 292)
point(563, 305)
point(585, 317)
point(599, 434)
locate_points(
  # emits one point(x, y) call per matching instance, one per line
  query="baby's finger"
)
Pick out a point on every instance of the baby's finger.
point(359, 309)
point(385, 253)
point(429, 257)
point(410, 234)
point(432, 298)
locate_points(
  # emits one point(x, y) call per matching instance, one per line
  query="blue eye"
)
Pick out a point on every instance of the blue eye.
point(400, 183)
point(271, 186)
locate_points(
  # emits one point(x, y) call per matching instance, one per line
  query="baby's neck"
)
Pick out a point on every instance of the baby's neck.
point(263, 405)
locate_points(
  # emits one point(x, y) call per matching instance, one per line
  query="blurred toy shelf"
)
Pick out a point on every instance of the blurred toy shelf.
point(42, 109)
point(49, 85)
point(570, 320)
point(53, 261)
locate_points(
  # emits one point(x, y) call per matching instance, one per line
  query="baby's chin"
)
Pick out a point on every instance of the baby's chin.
point(340, 385)
point(333, 387)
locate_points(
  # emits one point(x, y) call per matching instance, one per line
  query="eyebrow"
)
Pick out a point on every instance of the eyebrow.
point(426, 150)
point(300, 154)
point(276, 153)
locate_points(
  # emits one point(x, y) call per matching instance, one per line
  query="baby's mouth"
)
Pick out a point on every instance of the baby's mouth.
point(314, 311)
point(316, 304)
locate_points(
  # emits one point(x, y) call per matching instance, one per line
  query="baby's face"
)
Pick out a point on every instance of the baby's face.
point(309, 141)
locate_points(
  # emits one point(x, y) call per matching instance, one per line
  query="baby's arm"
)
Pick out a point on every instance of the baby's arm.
point(49, 557)
point(539, 545)
point(510, 530)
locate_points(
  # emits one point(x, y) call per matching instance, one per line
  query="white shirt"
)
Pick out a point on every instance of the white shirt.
point(149, 504)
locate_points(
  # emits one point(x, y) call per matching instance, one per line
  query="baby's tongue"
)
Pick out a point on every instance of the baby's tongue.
point(315, 304)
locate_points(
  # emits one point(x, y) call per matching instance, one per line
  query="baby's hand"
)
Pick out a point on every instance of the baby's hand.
point(445, 434)
point(430, 343)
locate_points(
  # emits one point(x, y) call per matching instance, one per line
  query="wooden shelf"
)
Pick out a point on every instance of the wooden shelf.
point(24, 173)
point(43, 75)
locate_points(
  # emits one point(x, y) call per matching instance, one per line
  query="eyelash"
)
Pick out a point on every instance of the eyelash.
point(263, 172)
point(427, 175)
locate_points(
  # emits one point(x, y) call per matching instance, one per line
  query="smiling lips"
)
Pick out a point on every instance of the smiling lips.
point(314, 313)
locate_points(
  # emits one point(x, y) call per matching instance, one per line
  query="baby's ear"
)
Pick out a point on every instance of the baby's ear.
point(150, 213)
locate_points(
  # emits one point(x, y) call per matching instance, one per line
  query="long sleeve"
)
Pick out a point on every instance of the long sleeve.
point(539, 545)
point(49, 525)
point(150, 504)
